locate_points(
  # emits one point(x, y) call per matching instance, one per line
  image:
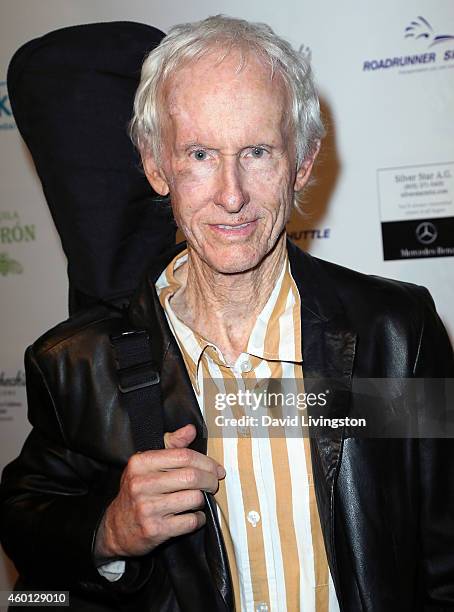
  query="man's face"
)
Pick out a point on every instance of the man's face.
point(228, 160)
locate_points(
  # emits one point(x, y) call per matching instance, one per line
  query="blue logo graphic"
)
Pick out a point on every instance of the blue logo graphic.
point(6, 114)
point(421, 28)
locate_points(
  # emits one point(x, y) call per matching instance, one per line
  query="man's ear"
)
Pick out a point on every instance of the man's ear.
point(155, 175)
point(305, 169)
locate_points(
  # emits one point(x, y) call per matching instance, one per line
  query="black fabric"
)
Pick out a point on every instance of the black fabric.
point(72, 92)
point(138, 381)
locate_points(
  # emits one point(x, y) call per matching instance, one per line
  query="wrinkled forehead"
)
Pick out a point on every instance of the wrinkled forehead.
point(226, 74)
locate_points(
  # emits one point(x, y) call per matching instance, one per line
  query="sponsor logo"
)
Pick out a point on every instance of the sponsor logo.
point(417, 210)
point(421, 28)
point(425, 37)
point(10, 394)
point(9, 266)
point(426, 252)
point(426, 232)
point(13, 232)
point(418, 239)
point(310, 234)
point(6, 114)
point(12, 381)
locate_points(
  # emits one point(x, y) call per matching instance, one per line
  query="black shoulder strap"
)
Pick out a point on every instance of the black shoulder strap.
point(138, 381)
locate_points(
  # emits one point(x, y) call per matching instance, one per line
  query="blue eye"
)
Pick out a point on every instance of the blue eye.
point(200, 155)
point(258, 152)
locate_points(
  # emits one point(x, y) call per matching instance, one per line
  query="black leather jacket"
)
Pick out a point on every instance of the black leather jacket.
point(386, 505)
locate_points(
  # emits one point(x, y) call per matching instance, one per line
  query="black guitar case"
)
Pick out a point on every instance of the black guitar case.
point(71, 93)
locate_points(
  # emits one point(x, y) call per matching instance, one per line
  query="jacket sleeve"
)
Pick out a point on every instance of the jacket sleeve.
point(435, 360)
point(51, 502)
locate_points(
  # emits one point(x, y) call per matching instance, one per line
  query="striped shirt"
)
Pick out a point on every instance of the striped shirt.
point(266, 504)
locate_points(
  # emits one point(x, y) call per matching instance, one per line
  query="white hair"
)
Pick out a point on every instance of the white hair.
point(190, 41)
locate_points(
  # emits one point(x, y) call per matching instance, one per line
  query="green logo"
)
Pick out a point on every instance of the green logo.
point(9, 266)
point(12, 231)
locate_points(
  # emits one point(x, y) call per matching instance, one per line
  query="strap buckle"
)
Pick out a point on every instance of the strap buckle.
point(137, 377)
point(135, 369)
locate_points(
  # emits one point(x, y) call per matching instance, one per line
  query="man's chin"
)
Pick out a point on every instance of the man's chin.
point(228, 263)
point(233, 269)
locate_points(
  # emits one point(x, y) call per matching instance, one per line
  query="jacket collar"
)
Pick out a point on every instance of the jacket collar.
point(329, 344)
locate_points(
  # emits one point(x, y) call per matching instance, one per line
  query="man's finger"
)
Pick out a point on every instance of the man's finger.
point(180, 501)
point(182, 479)
point(181, 524)
point(170, 459)
point(181, 438)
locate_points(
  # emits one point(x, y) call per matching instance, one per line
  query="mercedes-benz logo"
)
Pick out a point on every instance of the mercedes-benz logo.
point(426, 232)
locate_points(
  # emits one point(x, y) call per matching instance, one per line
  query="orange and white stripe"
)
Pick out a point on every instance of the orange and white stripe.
point(266, 504)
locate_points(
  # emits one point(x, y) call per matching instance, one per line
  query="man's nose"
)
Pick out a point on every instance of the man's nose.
point(231, 193)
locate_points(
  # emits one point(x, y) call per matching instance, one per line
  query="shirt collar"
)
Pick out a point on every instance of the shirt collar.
point(191, 344)
point(276, 335)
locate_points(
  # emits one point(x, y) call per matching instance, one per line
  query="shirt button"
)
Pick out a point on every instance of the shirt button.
point(253, 517)
point(246, 366)
point(262, 607)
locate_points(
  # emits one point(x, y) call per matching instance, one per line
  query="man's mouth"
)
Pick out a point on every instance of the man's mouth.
point(233, 227)
point(239, 230)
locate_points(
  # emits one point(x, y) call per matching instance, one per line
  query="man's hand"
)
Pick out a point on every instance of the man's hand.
point(160, 497)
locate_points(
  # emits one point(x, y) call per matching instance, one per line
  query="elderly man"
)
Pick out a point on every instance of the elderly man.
point(227, 123)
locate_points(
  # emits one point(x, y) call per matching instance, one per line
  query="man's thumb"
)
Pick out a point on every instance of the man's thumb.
point(180, 438)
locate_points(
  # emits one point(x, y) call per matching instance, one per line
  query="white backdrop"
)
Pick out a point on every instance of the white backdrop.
point(385, 72)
